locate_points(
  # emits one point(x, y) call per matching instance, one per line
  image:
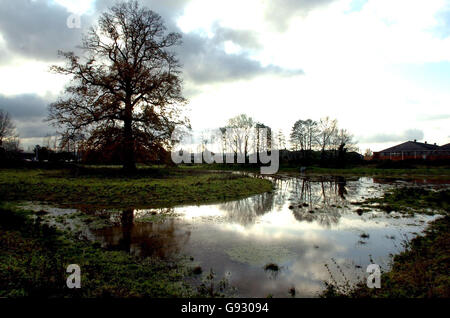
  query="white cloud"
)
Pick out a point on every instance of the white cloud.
point(76, 6)
point(23, 76)
point(347, 59)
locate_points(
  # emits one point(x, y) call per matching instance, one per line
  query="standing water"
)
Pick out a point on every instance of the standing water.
point(305, 232)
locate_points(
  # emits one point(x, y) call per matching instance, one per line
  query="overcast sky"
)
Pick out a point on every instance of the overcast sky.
point(381, 67)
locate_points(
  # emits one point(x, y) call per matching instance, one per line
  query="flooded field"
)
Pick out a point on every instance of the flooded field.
point(305, 232)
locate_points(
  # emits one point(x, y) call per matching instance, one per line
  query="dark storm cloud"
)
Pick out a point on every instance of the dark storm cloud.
point(409, 134)
point(280, 12)
point(38, 29)
point(36, 129)
point(28, 112)
point(24, 107)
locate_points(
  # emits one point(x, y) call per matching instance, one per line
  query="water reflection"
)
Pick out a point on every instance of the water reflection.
point(300, 226)
point(143, 238)
point(247, 211)
point(309, 199)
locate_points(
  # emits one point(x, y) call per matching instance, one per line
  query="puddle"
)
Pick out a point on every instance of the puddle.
point(303, 225)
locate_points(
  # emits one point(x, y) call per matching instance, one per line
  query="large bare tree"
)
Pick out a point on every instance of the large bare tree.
point(126, 89)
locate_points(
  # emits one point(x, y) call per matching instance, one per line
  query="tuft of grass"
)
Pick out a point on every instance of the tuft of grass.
point(197, 270)
point(271, 267)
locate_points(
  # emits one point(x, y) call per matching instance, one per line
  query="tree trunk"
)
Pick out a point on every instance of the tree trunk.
point(129, 163)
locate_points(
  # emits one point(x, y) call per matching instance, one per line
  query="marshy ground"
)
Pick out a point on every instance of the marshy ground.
point(149, 187)
point(151, 234)
point(34, 255)
point(422, 269)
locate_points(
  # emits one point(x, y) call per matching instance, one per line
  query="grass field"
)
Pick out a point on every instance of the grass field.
point(149, 188)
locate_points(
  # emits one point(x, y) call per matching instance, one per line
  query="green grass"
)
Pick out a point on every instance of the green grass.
point(34, 258)
point(108, 187)
point(413, 200)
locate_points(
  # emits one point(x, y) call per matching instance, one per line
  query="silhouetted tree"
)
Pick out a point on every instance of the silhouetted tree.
point(326, 130)
point(342, 138)
point(311, 132)
point(7, 130)
point(298, 137)
point(127, 87)
point(263, 141)
point(240, 129)
point(280, 139)
point(303, 136)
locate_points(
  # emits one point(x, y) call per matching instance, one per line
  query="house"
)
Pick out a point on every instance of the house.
point(443, 152)
point(412, 150)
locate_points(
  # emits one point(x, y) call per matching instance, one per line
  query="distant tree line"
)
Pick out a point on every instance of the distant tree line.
point(311, 142)
point(324, 136)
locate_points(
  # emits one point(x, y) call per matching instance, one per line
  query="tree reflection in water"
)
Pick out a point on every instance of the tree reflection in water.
point(310, 200)
point(247, 210)
point(144, 238)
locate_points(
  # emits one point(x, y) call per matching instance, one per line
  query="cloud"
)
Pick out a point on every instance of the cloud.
point(38, 29)
point(205, 62)
point(169, 10)
point(204, 58)
point(409, 134)
point(38, 129)
point(280, 12)
point(28, 113)
point(24, 107)
point(443, 21)
point(244, 38)
point(5, 56)
point(434, 117)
